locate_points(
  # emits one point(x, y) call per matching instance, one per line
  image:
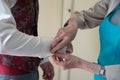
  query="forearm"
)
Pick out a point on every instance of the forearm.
point(88, 66)
point(111, 71)
point(93, 16)
point(14, 42)
point(20, 44)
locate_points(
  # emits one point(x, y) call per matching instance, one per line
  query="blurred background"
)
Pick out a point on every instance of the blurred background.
point(53, 14)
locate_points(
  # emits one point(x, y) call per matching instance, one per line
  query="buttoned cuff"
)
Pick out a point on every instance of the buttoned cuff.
point(44, 60)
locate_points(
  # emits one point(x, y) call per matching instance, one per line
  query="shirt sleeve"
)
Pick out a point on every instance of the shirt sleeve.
point(113, 72)
point(14, 42)
point(93, 16)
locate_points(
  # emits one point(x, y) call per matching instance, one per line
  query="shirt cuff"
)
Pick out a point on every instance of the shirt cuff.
point(45, 47)
point(44, 60)
point(78, 16)
point(113, 72)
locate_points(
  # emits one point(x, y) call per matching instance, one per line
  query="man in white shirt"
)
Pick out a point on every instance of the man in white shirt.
point(21, 50)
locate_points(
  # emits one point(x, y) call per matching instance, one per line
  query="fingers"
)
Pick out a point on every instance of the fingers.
point(48, 71)
point(69, 49)
point(57, 40)
point(60, 55)
point(58, 37)
point(48, 76)
point(59, 61)
point(64, 36)
point(60, 45)
point(59, 58)
point(60, 40)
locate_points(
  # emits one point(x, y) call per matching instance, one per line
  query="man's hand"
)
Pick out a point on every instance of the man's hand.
point(48, 71)
point(64, 36)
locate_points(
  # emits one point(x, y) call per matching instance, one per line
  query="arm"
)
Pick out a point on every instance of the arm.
point(84, 19)
point(88, 66)
point(66, 61)
point(91, 17)
point(13, 42)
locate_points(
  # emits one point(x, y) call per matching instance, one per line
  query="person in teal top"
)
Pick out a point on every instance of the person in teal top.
point(109, 41)
point(106, 15)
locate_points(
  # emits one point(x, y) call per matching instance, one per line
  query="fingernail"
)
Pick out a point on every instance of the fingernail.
point(52, 51)
point(68, 51)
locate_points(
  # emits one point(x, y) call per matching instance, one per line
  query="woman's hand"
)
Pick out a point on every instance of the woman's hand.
point(64, 36)
point(66, 61)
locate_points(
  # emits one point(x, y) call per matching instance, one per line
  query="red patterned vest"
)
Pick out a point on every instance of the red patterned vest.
point(25, 13)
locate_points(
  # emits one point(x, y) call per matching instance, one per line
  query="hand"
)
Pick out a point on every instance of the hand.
point(66, 61)
point(69, 49)
point(48, 71)
point(64, 36)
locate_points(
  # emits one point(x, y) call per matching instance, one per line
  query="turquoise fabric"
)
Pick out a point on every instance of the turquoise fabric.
point(109, 43)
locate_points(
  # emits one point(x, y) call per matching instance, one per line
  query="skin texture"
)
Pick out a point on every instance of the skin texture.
point(66, 61)
point(64, 36)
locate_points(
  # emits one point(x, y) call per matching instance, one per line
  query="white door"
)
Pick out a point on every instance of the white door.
point(50, 20)
point(53, 14)
point(86, 43)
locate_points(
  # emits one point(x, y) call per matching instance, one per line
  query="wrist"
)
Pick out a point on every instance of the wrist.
point(73, 22)
point(102, 71)
point(77, 63)
point(76, 18)
point(81, 64)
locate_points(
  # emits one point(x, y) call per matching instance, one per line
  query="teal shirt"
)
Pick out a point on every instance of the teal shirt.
point(109, 42)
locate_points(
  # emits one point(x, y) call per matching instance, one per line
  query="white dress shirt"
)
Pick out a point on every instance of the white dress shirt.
point(14, 42)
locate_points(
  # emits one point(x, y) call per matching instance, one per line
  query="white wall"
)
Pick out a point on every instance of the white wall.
point(50, 21)
point(50, 17)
